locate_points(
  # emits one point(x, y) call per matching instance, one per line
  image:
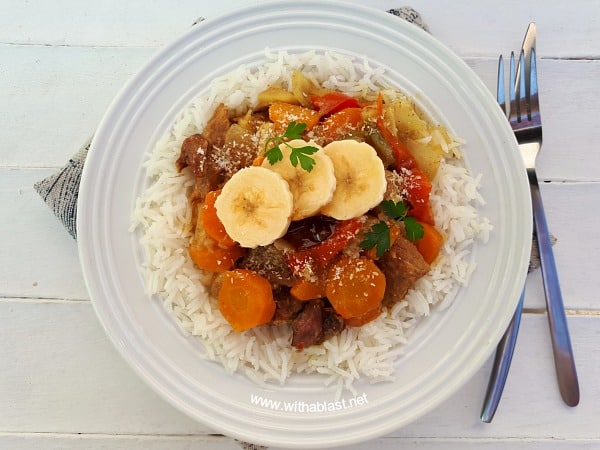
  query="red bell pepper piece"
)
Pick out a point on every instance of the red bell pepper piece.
point(320, 255)
point(333, 102)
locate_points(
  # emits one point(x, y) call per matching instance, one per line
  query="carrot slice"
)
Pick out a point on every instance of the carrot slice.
point(258, 160)
point(354, 286)
point(430, 244)
point(308, 290)
point(246, 299)
point(281, 114)
point(341, 123)
point(210, 256)
point(365, 318)
point(211, 222)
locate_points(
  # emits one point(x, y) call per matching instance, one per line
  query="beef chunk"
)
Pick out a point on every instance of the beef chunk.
point(194, 152)
point(307, 327)
point(269, 262)
point(333, 323)
point(216, 128)
point(402, 265)
point(287, 307)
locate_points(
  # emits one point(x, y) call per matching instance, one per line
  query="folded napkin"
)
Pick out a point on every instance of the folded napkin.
point(60, 190)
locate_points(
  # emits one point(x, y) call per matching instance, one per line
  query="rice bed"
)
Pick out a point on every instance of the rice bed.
point(162, 217)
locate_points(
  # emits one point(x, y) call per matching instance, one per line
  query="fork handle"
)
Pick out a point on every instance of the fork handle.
point(557, 319)
point(502, 360)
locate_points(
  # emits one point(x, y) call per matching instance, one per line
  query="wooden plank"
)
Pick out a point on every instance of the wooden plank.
point(61, 375)
point(38, 258)
point(36, 235)
point(478, 30)
point(18, 441)
point(54, 98)
point(28, 441)
point(55, 108)
point(107, 23)
point(577, 250)
point(572, 219)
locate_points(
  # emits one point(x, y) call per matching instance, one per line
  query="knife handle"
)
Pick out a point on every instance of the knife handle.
point(502, 360)
point(557, 319)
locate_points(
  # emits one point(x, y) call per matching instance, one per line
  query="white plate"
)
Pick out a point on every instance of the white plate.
point(451, 345)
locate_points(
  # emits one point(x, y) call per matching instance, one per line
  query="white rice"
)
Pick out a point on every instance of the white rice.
point(162, 216)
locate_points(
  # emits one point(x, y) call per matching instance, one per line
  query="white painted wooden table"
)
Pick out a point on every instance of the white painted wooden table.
point(63, 385)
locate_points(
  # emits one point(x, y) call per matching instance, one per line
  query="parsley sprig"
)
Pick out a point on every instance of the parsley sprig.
point(379, 235)
point(300, 155)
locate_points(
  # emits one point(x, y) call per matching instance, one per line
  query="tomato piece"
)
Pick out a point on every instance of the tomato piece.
point(333, 102)
point(324, 252)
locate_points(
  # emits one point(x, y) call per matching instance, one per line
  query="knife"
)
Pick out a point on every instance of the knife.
point(506, 346)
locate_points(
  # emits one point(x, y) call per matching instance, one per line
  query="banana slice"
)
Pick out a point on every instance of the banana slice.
point(255, 206)
point(360, 179)
point(311, 190)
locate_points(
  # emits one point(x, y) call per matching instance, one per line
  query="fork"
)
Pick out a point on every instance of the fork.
point(526, 121)
point(524, 117)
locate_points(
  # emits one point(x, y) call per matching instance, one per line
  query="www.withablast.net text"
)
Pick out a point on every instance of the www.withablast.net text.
point(300, 406)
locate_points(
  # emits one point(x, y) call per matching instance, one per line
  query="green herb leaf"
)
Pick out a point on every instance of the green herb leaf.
point(274, 155)
point(394, 210)
point(300, 155)
point(414, 230)
point(378, 237)
point(294, 130)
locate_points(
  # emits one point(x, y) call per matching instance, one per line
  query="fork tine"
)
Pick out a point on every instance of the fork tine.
point(500, 89)
point(523, 98)
point(534, 103)
point(512, 112)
